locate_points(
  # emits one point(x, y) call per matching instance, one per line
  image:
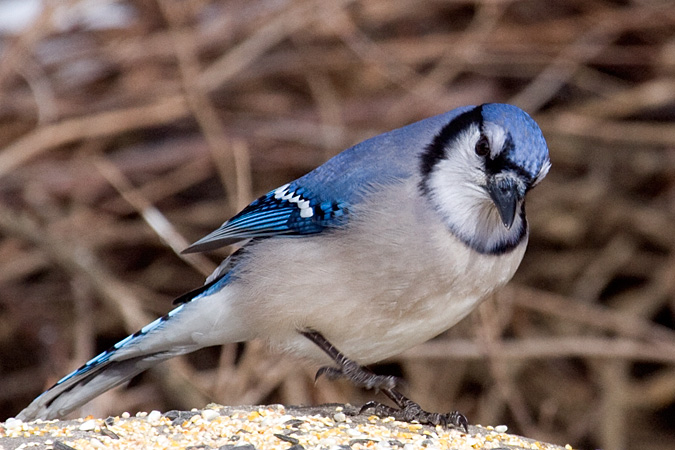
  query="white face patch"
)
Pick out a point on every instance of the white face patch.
point(457, 187)
point(283, 193)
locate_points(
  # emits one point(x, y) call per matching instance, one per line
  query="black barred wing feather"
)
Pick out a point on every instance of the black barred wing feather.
point(288, 210)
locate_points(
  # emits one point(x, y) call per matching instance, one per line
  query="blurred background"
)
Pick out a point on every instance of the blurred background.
point(131, 128)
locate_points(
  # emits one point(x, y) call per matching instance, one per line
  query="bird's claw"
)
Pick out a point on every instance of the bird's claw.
point(364, 378)
point(413, 412)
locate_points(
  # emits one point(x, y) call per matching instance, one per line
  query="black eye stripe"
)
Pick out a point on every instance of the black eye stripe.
point(436, 150)
point(501, 164)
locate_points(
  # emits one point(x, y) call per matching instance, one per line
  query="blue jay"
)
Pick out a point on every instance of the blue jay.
point(385, 246)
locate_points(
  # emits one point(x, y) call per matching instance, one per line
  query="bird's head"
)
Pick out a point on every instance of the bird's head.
point(477, 171)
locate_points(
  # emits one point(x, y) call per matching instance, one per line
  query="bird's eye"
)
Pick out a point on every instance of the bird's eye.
point(482, 146)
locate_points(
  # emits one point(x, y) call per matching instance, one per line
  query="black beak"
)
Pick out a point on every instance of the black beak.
point(505, 195)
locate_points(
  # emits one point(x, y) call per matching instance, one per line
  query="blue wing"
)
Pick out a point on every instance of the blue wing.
point(320, 199)
point(288, 210)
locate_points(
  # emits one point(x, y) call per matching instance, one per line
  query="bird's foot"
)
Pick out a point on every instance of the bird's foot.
point(407, 411)
point(411, 411)
point(358, 375)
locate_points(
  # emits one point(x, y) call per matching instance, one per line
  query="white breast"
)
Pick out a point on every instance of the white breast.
point(395, 278)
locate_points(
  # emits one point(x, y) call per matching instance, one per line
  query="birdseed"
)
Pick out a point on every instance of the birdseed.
point(253, 428)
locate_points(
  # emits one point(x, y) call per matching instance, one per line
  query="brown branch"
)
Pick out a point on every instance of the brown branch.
point(46, 137)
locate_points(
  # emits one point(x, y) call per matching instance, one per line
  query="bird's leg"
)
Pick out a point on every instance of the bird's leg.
point(360, 376)
point(363, 377)
point(410, 411)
